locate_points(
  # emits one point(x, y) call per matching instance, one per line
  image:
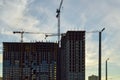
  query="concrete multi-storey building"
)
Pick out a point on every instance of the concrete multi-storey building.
point(93, 77)
point(73, 56)
point(29, 61)
point(45, 60)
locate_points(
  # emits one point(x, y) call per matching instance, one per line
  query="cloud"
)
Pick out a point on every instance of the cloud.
point(39, 16)
point(6, 32)
point(14, 14)
point(105, 15)
point(91, 50)
point(12, 11)
point(112, 21)
point(101, 14)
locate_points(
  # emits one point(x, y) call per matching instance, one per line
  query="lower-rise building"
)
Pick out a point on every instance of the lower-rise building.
point(29, 61)
point(93, 77)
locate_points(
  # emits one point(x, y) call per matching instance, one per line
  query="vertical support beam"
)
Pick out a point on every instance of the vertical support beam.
point(99, 69)
point(99, 56)
point(59, 29)
point(106, 69)
point(58, 16)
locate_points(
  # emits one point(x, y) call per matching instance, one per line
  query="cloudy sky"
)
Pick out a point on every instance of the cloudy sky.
point(89, 15)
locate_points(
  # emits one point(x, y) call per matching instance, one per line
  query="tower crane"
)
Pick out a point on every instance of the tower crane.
point(46, 34)
point(19, 32)
point(54, 34)
point(62, 34)
point(22, 32)
point(58, 17)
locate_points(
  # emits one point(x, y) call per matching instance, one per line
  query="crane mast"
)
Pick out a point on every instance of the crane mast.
point(58, 17)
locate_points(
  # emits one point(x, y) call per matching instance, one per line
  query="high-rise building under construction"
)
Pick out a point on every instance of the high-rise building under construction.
point(45, 60)
point(73, 56)
point(29, 61)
